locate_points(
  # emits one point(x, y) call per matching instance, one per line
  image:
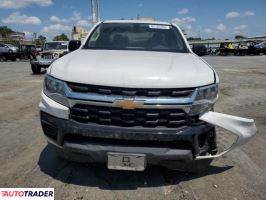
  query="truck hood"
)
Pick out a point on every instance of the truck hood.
point(135, 69)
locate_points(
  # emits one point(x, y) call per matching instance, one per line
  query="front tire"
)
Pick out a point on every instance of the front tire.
point(2, 58)
point(36, 69)
point(13, 59)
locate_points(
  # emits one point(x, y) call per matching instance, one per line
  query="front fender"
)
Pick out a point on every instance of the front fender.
point(243, 128)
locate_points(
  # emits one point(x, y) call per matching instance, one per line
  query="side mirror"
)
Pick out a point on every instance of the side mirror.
point(74, 45)
point(199, 49)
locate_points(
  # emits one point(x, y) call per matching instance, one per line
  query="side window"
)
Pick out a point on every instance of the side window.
point(1, 45)
point(94, 37)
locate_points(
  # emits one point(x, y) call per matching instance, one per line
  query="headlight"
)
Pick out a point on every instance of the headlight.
point(39, 57)
point(205, 99)
point(55, 89)
point(208, 93)
point(56, 55)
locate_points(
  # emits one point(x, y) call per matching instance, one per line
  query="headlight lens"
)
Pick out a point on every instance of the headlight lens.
point(55, 89)
point(56, 55)
point(205, 99)
point(208, 93)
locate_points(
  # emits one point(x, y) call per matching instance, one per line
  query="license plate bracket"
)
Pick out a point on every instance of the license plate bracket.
point(126, 161)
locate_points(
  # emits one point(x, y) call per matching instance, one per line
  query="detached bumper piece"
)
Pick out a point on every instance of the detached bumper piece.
point(243, 128)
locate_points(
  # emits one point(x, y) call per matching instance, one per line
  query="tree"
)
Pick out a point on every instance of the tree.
point(40, 40)
point(238, 37)
point(5, 31)
point(61, 37)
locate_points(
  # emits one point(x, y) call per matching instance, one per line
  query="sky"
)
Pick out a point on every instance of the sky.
point(198, 18)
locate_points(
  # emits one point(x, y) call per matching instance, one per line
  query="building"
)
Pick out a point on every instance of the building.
point(79, 33)
point(215, 44)
point(17, 36)
point(259, 37)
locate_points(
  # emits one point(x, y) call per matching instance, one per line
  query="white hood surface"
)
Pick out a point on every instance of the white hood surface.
point(134, 69)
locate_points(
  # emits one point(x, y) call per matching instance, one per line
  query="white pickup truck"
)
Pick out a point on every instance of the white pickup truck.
point(134, 94)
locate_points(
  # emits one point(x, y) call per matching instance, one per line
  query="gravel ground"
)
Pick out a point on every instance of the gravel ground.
point(27, 162)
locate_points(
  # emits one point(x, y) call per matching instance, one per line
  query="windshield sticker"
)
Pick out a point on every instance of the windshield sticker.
point(155, 26)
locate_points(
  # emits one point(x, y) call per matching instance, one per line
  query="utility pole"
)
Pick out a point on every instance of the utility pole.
point(98, 10)
point(93, 12)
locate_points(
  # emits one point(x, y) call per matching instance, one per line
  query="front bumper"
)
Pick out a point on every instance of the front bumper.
point(44, 63)
point(96, 141)
point(92, 142)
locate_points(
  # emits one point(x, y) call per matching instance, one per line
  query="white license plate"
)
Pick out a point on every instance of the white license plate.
point(126, 161)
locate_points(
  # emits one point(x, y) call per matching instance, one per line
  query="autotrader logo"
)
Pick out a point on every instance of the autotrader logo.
point(27, 193)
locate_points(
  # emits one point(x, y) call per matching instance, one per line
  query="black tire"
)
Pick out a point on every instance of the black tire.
point(2, 58)
point(13, 59)
point(36, 69)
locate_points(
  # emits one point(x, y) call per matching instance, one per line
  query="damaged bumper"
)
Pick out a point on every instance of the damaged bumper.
point(188, 143)
point(243, 128)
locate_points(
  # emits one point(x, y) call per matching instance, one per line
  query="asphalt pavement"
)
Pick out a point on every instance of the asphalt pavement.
point(27, 161)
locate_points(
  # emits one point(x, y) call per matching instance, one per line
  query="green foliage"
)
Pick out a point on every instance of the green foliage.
point(40, 41)
point(5, 31)
point(61, 37)
point(42, 38)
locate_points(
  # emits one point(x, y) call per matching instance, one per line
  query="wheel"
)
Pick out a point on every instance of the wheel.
point(2, 58)
point(36, 69)
point(13, 59)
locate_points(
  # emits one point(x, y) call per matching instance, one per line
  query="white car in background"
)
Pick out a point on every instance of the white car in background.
point(134, 94)
point(51, 51)
point(8, 51)
point(8, 48)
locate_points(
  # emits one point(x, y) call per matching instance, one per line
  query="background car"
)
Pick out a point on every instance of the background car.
point(260, 48)
point(8, 48)
point(27, 51)
point(9, 51)
point(51, 52)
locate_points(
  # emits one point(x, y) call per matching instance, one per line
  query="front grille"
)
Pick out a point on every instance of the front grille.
point(48, 56)
point(153, 92)
point(171, 118)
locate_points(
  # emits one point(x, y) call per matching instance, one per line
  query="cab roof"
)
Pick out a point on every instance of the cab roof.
point(137, 21)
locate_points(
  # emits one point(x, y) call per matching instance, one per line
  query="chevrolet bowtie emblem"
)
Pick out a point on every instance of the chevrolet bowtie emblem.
point(129, 104)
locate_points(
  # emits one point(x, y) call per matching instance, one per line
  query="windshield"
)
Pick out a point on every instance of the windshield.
point(55, 46)
point(136, 36)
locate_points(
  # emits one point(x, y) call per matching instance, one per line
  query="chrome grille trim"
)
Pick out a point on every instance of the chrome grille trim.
point(73, 102)
point(150, 102)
